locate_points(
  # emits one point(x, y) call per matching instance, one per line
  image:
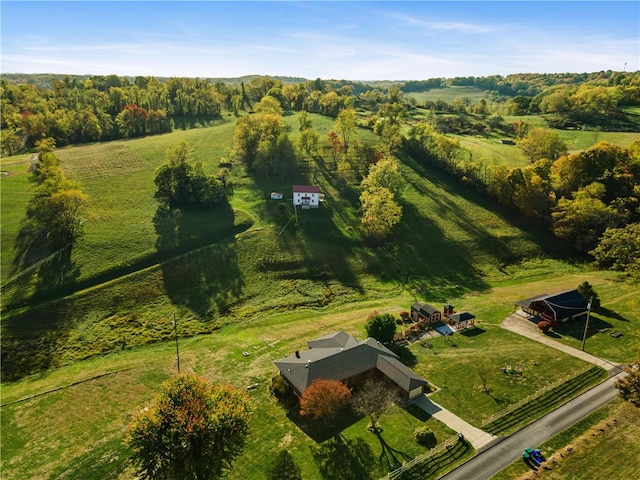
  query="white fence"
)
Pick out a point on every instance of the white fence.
point(421, 458)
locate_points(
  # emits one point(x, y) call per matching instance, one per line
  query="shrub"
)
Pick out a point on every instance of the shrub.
point(278, 387)
point(425, 437)
point(544, 326)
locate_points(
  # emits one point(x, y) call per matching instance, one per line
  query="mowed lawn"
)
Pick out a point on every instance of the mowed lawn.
point(449, 94)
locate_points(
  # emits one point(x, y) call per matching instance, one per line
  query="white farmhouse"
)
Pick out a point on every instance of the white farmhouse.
point(307, 196)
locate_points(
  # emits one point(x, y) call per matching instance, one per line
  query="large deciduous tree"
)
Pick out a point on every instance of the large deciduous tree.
point(263, 144)
point(324, 399)
point(178, 183)
point(384, 173)
point(542, 143)
point(192, 431)
point(619, 249)
point(380, 213)
point(373, 398)
point(335, 144)
point(58, 204)
point(584, 219)
point(345, 126)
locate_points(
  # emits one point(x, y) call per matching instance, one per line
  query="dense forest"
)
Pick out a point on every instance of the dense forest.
point(589, 198)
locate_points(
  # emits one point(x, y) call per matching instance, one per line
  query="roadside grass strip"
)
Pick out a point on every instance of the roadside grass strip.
point(545, 400)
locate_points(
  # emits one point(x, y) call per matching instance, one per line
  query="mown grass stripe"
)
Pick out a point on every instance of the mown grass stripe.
point(35, 395)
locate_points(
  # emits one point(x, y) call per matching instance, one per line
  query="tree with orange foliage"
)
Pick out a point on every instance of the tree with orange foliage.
point(193, 430)
point(323, 399)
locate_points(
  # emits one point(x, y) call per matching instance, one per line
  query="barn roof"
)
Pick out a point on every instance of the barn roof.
point(306, 189)
point(563, 304)
point(461, 317)
point(424, 308)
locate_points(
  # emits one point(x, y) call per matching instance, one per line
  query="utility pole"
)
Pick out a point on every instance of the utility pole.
point(586, 324)
point(175, 333)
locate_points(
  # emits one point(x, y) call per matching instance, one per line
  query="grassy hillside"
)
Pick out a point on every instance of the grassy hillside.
point(252, 276)
point(250, 257)
point(448, 94)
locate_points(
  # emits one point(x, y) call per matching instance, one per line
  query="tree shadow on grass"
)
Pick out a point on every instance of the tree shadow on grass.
point(406, 355)
point(575, 328)
point(605, 312)
point(317, 430)
point(419, 242)
point(313, 234)
point(391, 458)
point(38, 273)
point(201, 272)
point(472, 332)
point(342, 458)
point(30, 339)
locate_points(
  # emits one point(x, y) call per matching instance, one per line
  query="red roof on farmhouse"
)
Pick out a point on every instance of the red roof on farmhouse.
point(306, 189)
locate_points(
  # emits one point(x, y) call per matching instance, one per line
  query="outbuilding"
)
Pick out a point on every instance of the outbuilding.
point(555, 308)
point(425, 313)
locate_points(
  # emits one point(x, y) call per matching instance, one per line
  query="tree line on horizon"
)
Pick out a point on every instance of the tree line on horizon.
point(83, 109)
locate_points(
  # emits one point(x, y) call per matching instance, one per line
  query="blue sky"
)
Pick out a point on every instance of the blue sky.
point(327, 39)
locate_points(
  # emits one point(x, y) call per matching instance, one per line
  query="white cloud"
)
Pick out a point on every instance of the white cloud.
point(440, 25)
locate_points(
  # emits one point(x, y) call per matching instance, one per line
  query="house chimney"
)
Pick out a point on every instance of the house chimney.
point(297, 354)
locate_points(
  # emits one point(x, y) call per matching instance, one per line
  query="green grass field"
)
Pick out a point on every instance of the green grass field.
point(449, 94)
point(249, 276)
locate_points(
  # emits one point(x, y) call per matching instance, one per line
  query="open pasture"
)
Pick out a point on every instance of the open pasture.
point(449, 94)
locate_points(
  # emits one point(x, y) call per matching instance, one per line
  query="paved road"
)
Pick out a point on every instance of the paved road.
point(486, 464)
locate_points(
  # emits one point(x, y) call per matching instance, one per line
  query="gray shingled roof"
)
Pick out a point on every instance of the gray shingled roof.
point(563, 304)
point(339, 356)
point(397, 371)
point(461, 316)
point(336, 339)
point(424, 308)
